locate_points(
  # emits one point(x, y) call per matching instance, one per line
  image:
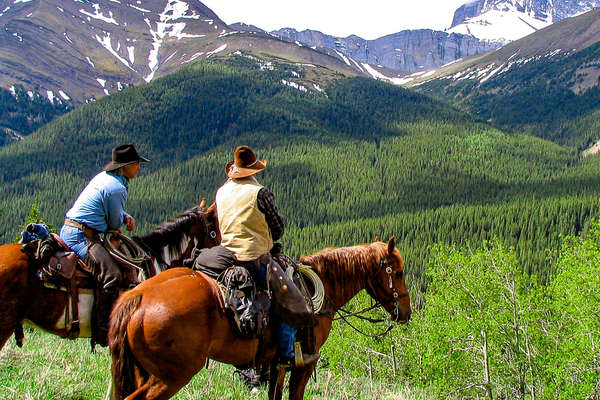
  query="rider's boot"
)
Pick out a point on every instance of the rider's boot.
point(104, 304)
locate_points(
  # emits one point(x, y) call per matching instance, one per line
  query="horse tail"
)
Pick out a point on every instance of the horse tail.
point(123, 365)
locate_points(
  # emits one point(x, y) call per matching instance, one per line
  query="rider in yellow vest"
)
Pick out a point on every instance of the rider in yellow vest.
point(249, 222)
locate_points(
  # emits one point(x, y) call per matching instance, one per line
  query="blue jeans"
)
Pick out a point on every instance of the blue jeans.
point(286, 334)
point(75, 239)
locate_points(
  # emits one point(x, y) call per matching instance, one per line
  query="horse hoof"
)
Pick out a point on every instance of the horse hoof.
point(254, 391)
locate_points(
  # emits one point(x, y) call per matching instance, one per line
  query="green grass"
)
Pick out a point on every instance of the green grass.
point(51, 368)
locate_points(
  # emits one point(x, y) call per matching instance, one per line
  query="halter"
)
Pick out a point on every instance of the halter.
point(209, 227)
point(387, 264)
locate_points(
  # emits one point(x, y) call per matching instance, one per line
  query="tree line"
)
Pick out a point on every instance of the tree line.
point(487, 330)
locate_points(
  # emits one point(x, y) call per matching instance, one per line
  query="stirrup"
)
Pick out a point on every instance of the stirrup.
point(301, 359)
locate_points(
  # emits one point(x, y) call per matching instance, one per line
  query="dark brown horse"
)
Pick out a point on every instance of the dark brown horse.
point(24, 298)
point(163, 331)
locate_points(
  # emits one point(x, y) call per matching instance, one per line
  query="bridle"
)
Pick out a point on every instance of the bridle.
point(209, 227)
point(384, 263)
point(387, 264)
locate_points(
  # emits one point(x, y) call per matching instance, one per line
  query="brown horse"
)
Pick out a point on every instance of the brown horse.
point(24, 298)
point(163, 331)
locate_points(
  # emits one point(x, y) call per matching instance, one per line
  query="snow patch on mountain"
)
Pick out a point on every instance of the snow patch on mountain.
point(217, 50)
point(173, 11)
point(99, 15)
point(500, 26)
point(483, 73)
point(106, 43)
point(503, 21)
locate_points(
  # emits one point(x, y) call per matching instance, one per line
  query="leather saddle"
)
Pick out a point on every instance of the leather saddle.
point(57, 267)
point(250, 304)
point(56, 264)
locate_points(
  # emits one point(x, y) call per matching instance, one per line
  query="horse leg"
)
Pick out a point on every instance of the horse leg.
point(10, 325)
point(156, 389)
point(276, 382)
point(19, 335)
point(298, 380)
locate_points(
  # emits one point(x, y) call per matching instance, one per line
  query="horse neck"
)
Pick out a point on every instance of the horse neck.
point(344, 272)
point(171, 240)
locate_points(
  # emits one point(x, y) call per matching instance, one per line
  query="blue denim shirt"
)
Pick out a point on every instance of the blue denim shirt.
point(101, 205)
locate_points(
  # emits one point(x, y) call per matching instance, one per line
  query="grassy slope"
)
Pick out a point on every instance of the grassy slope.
point(48, 367)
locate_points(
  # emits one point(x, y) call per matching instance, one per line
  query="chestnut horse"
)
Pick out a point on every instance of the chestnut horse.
point(163, 331)
point(24, 298)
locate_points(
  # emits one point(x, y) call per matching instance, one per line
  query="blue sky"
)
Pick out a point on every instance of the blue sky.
point(369, 19)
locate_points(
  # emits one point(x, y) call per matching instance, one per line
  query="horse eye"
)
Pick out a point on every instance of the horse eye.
point(399, 275)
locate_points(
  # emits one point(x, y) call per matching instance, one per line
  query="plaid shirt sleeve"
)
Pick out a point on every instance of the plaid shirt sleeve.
point(266, 204)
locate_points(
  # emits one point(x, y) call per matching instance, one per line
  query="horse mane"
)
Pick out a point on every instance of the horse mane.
point(353, 263)
point(170, 233)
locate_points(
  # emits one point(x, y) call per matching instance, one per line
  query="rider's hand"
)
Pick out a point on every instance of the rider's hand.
point(129, 222)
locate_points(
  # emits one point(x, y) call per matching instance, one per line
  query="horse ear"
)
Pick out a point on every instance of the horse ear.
point(391, 244)
point(377, 238)
point(202, 203)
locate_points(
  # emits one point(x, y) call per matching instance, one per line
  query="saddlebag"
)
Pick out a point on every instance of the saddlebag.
point(248, 306)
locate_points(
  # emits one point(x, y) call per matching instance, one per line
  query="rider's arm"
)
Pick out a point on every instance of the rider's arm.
point(114, 206)
point(266, 204)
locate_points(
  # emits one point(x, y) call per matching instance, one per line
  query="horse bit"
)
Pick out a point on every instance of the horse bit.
point(387, 264)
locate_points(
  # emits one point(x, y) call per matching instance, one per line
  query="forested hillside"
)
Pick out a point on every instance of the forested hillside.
point(554, 98)
point(22, 113)
point(360, 160)
point(545, 84)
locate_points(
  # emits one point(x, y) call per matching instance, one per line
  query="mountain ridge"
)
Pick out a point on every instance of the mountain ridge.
point(546, 84)
point(402, 52)
point(94, 49)
point(503, 21)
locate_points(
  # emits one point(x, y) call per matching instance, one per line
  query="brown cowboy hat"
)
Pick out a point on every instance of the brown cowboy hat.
point(123, 155)
point(244, 163)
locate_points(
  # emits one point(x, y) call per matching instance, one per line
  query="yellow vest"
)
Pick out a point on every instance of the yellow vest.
point(244, 228)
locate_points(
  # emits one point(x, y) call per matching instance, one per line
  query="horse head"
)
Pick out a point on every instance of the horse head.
point(211, 234)
point(174, 240)
point(387, 284)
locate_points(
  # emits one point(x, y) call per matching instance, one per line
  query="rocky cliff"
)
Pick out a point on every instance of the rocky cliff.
point(406, 51)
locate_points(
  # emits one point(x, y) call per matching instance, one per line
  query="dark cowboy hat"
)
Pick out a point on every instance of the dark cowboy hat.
point(123, 155)
point(244, 163)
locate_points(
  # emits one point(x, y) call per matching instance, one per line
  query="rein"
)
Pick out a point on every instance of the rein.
point(137, 257)
point(357, 314)
point(383, 263)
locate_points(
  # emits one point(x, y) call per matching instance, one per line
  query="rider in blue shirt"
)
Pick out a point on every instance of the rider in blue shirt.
point(100, 208)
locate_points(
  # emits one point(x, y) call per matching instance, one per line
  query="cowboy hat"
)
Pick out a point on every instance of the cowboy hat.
point(244, 163)
point(123, 155)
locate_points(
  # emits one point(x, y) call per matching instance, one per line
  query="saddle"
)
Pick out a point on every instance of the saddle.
point(249, 305)
point(57, 267)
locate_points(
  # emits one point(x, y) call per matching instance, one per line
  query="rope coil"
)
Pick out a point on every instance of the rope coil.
point(137, 256)
point(319, 296)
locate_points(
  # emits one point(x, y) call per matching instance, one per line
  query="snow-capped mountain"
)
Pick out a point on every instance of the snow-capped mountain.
point(76, 50)
point(503, 21)
point(546, 84)
point(558, 41)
